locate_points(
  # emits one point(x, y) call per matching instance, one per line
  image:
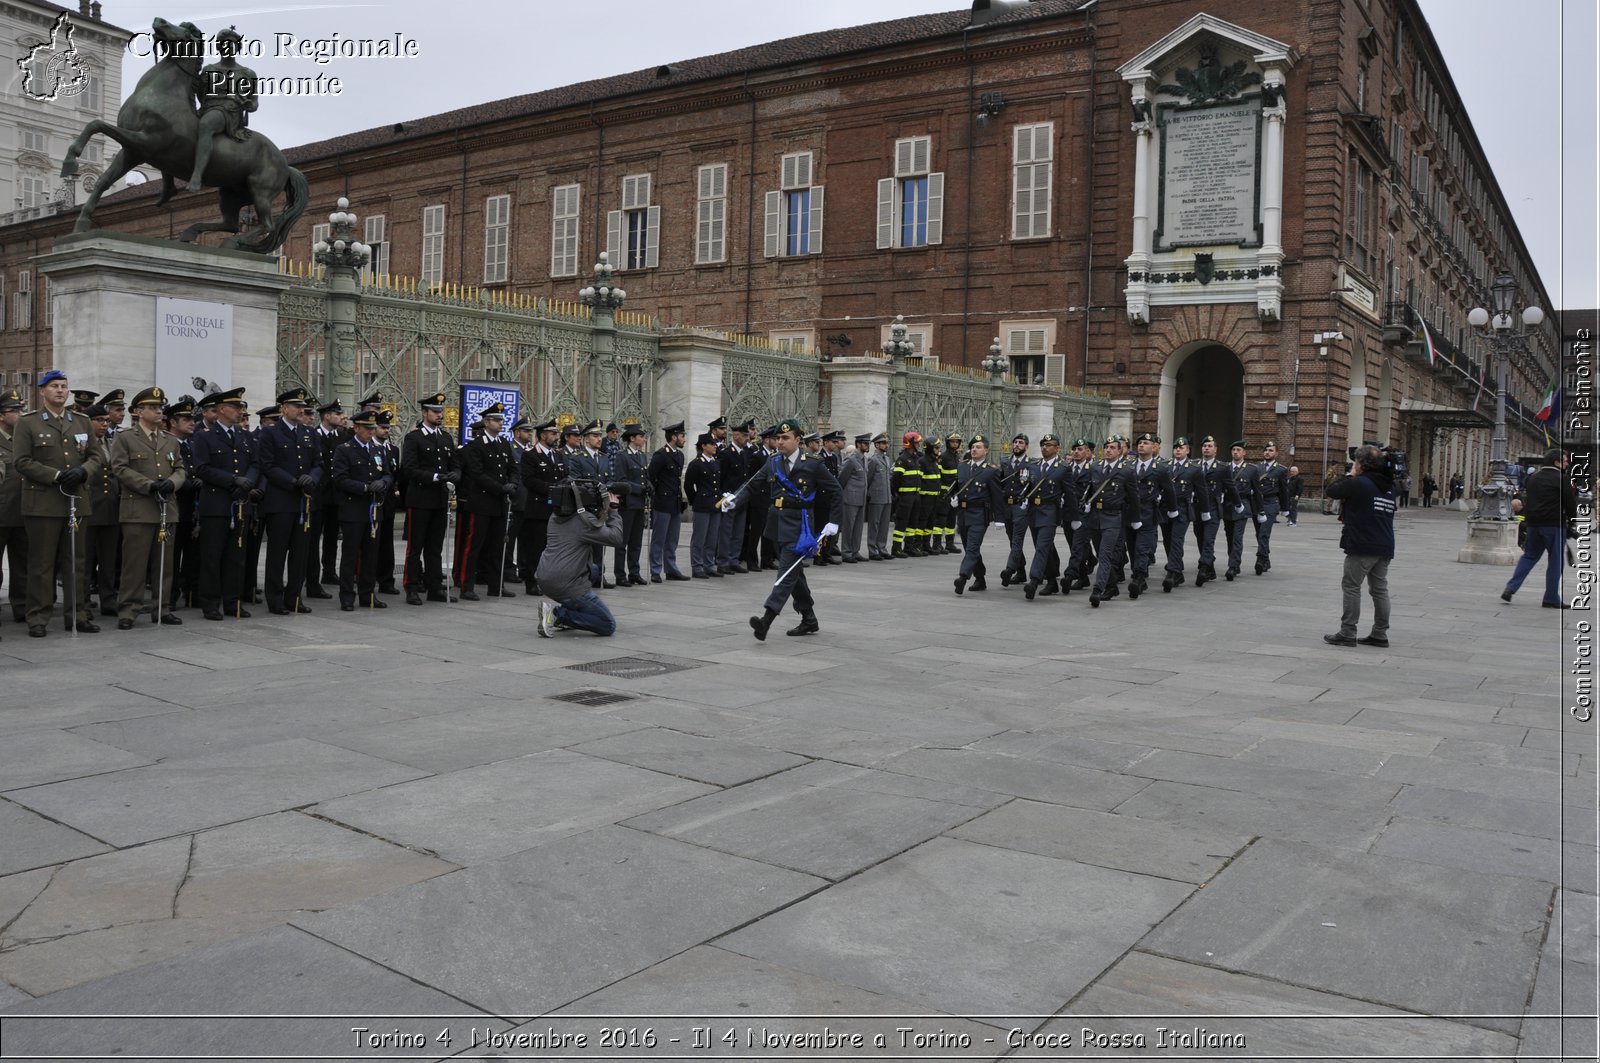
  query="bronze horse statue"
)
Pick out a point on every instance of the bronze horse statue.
point(158, 125)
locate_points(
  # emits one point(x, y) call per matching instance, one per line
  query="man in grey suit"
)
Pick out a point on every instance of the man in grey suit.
point(853, 499)
point(880, 496)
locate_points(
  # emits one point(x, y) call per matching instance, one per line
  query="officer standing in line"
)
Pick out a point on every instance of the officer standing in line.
point(268, 417)
point(105, 529)
point(1149, 505)
point(853, 497)
point(115, 402)
point(362, 476)
point(1244, 502)
point(588, 463)
point(1210, 499)
point(831, 453)
point(949, 464)
point(186, 551)
point(291, 463)
point(325, 523)
point(521, 443)
point(665, 475)
point(907, 484)
point(1112, 494)
point(1017, 472)
point(382, 438)
point(628, 482)
point(1042, 509)
point(735, 460)
point(13, 536)
point(428, 468)
point(489, 478)
point(976, 500)
point(702, 483)
point(1273, 480)
point(880, 499)
point(1080, 524)
point(541, 470)
point(1181, 474)
point(225, 462)
point(150, 470)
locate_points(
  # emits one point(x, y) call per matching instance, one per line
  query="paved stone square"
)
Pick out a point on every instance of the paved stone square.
point(973, 827)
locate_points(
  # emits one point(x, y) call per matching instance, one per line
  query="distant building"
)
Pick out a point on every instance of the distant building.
point(1169, 202)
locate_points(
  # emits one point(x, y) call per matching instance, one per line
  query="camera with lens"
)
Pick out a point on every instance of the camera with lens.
point(573, 495)
point(1394, 459)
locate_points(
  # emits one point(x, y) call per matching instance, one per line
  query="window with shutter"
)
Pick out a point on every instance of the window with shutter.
point(496, 239)
point(1028, 346)
point(22, 310)
point(564, 231)
point(1033, 159)
point(911, 204)
point(375, 236)
point(635, 230)
point(711, 223)
point(794, 214)
point(320, 234)
point(432, 273)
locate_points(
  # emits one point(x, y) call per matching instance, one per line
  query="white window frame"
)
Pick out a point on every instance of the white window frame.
point(93, 95)
point(32, 139)
point(794, 341)
point(639, 216)
point(565, 201)
point(497, 239)
point(320, 233)
point(33, 190)
point(22, 301)
point(49, 302)
point(1030, 345)
point(711, 214)
point(431, 272)
point(920, 335)
point(912, 161)
point(375, 234)
point(784, 239)
point(1032, 174)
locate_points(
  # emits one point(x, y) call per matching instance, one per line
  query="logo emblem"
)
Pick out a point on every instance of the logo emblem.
point(54, 69)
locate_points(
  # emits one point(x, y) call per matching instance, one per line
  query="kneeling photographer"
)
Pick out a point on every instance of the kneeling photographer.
point(585, 516)
point(1367, 493)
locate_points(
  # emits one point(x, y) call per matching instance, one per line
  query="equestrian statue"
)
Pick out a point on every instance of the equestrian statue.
point(191, 124)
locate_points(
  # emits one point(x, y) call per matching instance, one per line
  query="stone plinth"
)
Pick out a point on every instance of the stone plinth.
point(1490, 542)
point(1036, 413)
point(690, 386)
point(104, 288)
point(861, 394)
point(1122, 413)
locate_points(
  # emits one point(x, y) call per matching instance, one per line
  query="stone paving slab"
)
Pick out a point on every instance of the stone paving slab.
point(477, 814)
point(1537, 819)
point(1253, 815)
point(1508, 854)
point(1061, 784)
point(531, 932)
point(719, 762)
point(849, 746)
point(72, 705)
point(34, 841)
point(196, 732)
point(1310, 917)
point(28, 758)
point(179, 796)
point(1029, 931)
point(1316, 787)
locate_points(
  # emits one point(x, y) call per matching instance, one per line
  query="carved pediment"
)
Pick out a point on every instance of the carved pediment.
point(1182, 48)
point(32, 160)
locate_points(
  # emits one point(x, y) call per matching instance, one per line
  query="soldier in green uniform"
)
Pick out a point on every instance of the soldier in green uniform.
point(149, 468)
point(57, 454)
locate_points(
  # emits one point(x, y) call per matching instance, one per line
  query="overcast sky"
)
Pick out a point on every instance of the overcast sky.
point(1506, 58)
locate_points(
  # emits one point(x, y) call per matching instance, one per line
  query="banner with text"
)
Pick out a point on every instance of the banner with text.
point(194, 348)
point(476, 395)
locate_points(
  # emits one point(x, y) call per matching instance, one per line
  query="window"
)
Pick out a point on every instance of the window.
point(24, 381)
point(31, 191)
point(91, 152)
point(1029, 346)
point(375, 236)
point(564, 231)
point(911, 203)
point(1032, 155)
point(496, 238)
point(711, 215)
point(320, 234)
point(92, 95)
point(633, 234)
point(22, 301)
point(433, 245)
point(920, 336)
point(3, 308)
point(794, 213)
point(49, 302)
point(794, 342)
point(35, 140)
point(1359, 215)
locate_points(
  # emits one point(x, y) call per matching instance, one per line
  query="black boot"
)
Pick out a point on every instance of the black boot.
point(807, 626)
point(1030, 589)
point(980, 584)
point(760, 624)
point(961, 585)
point(1166, 584)
point(1050, 587)
point(1094, 598)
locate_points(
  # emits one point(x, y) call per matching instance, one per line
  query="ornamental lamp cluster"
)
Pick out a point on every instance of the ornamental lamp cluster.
point(343, 249)
point(602, 294)
point(899, 345)
point(996, 363)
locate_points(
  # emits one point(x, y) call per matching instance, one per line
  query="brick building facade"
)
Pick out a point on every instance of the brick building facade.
point(975, 171)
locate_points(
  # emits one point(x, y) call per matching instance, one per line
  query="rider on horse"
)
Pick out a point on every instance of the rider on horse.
point(227, 92)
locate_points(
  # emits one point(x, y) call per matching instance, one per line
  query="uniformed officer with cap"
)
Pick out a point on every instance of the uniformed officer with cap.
point(667, 502)
point(521, 443)
point(105, 531)
point(832, 445)
point(949, 463)
point(291, 463)
point(1243, 482)
point(702, 484)
point(383, 438)
point(1210, 496)
point(1150, 503)
point(976, 500)
point(1111, 492)
point(930, 498)
point(907, 484)
point(718, 429)
point(629, 484)
point(1079, 523)
point(13, 536)
point(429, 470)
point(150, 470)
point(1273, 479)
point(541, 469)
point(1041, 511)
point(880, 498)
point(737, 461)
point(361, 476)
point(490, 476)
point(186, 550)
point(761, 551)
point(325, 523)
point(1182, 474)
point(56, 454)
point(588, 463)
point(853, 497)
point(225, 462)
point(1016, 478)
point(372, 402)
point(116, 404)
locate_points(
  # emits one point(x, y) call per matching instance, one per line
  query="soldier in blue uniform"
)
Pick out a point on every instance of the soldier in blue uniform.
point(1111, 494)
point(291, 464)
point(1016, 477)
point(1150, 481)
point(1079, 522)
point(737, 460)
point(542, 468)
point(428, 469)
point(665, 475)
point(1242, 482)
point(489, 479)
point(976, 499)
point(1210, 495)
point(225, 462)
point(803, 492)
point(1042, 512)
point(325, 522)
point(186, 550)
point(628, 483)
point(1273, 479)
point(361, 476)
point(702, 483)
point(1181, 476)
point(393, 499)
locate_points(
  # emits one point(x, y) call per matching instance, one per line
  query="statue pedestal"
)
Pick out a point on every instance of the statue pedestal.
point(108, 331)
point(1490, 542)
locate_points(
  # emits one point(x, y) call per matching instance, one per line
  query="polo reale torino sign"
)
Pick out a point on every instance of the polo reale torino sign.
point(194, 346)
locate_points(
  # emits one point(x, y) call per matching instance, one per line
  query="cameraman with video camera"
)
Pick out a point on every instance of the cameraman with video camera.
point(1367, 493)
point(585, 517)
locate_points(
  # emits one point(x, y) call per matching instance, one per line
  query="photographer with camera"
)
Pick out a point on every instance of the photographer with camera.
point(1367, 493)
point(585, 518)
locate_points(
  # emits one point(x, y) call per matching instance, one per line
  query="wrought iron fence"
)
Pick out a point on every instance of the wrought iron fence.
point(767, 384)
point(939, 402)
point(1082, 414)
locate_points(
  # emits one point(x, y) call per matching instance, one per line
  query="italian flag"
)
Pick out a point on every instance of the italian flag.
point(1550, 405)
point(1427, 341)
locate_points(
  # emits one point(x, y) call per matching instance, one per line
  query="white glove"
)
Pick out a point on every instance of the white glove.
point(1261, 518)
point(954, 504)
point(1137, 525)
point(1238, 508)
point(1205, 518)
point(1077, 524)
point(829, 530)
point(726, 505)
point(1172, 514)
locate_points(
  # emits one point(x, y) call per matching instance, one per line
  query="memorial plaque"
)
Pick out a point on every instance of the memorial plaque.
point(1210, 175)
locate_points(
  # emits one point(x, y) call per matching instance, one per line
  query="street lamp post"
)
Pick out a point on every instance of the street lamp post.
point(1492, 527)
point(604, 299)
point(995, 365)
point(342, 256)
point(898, 348)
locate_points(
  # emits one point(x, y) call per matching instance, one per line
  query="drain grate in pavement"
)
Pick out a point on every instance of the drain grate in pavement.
point(593, 697)
point(633, 667)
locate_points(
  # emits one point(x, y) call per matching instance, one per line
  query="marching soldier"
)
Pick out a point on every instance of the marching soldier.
point(361, 476)
point(629, 471)
point(1180, 511)
point(325, 524)
point(737, 461)
point(803, 491)
point(1149, 504)
point(490, 478)
point(1210, 497)
point(186, 549)
point(976, 499)
point(1016, 478)
point(104, 530)
point(1112, 492)
point(665, 476)
point(1042, 512)
point(907, 484)
point(541, 470)
point(702, 483)
point(57, 454)
point(150, 470)
point(1242, 481)
point(13, 536)
point(429, 467)
point(1079, 522)
point(225, 462)
point(1274, 482)
point(949, 464)
point(290, 460)
point(880, 499)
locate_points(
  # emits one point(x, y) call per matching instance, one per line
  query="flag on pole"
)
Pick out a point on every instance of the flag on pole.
point(1483, 378)
point(1550, 405)
point(1427, 339)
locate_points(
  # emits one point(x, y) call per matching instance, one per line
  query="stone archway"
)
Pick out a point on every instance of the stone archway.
point(1202, 393)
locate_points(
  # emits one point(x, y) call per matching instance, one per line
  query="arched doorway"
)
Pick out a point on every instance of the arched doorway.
point(1202, 393)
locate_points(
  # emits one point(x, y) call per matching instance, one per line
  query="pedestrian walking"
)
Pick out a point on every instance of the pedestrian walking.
point(1548, 502)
